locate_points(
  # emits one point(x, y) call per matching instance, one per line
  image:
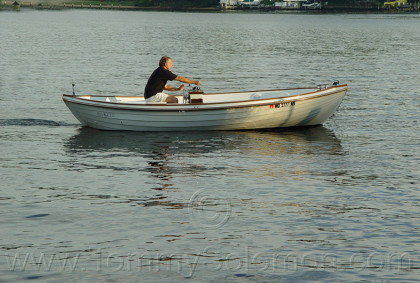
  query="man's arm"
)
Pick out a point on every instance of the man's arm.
point(170, 88)
point(187, 81)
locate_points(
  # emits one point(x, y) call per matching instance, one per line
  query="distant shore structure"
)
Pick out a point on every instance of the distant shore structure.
point(357, 5)
point(281, 4)
point(226, 5)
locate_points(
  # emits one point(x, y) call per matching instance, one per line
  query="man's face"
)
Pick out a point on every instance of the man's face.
point(168, 64)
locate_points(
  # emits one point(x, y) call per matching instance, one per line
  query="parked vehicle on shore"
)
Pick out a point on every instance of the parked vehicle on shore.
point(395, 4)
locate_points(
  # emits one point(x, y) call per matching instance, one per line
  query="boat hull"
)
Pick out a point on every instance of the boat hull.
point(291, 111)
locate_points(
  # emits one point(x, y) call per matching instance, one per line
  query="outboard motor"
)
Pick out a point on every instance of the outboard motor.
point(194, 95)
point(186, 96)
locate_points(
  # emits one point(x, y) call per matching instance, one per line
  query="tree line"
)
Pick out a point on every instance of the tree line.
point(177, 3)
point(214, 3)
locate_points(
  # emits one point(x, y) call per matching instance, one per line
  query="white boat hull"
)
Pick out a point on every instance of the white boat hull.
point(133, 114)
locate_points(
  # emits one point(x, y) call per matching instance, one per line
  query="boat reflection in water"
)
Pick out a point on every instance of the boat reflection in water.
point(203, 154)
point(88, 139)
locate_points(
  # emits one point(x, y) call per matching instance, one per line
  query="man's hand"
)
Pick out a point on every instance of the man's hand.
point(198, 82)
point(181, 87)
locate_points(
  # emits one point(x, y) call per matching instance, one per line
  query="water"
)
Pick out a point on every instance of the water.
point(333, 203)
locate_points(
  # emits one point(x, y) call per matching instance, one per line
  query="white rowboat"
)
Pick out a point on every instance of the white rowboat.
point(218, 111)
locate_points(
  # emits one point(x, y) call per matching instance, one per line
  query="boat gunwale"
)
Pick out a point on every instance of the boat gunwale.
point(193, 106)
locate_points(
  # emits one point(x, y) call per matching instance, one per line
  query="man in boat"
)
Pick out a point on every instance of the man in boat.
point(157, 83)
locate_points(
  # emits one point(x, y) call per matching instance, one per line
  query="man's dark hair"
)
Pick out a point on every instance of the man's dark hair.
point(163, 60)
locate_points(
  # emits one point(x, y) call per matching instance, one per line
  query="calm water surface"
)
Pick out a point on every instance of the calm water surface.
point(334, 203)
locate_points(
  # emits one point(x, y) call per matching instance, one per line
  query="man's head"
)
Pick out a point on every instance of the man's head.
point(165, 62)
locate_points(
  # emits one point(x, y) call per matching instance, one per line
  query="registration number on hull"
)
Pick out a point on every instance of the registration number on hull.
point(282, 104)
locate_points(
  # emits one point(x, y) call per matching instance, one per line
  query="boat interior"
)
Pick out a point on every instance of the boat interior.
point(208, 98)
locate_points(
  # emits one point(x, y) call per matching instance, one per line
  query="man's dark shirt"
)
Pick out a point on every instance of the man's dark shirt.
point(157, 81)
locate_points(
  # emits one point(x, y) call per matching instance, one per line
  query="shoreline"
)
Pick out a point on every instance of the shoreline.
point(59, 6)
point(9, 5)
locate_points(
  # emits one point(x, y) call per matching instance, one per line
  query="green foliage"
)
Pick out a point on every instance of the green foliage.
point(355, 3)
point(268, 2)
point(177, 3)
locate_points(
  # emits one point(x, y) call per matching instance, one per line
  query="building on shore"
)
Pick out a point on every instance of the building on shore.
point(279, 4)
point(228, 4)
point(289, 4)
point(239, 4)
